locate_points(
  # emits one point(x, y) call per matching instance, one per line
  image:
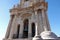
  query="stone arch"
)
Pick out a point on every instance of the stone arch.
point(25, 30)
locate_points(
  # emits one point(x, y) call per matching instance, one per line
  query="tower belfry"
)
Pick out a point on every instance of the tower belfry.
point(29, 21)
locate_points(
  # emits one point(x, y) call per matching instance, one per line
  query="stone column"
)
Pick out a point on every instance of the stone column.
point(29, 29)
point(9, 27)
point(36, 24)
point(12, 29)
point(37, 36)
point(48, 25)
point(15, 27)
point(44, 21)
point(21, 29)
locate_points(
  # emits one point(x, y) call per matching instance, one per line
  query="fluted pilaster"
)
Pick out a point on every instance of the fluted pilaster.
point(12, 29)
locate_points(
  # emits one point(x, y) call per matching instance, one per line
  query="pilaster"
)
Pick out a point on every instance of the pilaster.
point(48, 25)
point(12, 29)
point(36, 23)
point(29, 29)
point(21, 29)
point(44, 21)
point(9, 27)
point(37, 36)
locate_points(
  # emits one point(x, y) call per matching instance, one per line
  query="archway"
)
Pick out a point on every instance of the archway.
point(25, 31)
point(33, 29)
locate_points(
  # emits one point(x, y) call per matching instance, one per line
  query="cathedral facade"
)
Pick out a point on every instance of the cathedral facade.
point(29, 21)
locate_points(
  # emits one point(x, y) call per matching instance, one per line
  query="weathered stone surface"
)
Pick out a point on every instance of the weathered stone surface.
point(48, 35)
point(35, 11)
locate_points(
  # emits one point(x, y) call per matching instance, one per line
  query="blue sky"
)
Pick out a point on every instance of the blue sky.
point(53, 15)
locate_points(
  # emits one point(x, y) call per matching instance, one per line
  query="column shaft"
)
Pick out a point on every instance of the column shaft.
point(37, 35)
point(48, 25)
point(21, 30)
point(44, 21)
point(36, 24)
point(12, 29)
point(9, 28)
point(29, 29)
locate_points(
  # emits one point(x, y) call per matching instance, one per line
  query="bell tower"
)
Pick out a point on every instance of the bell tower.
point(29, 21)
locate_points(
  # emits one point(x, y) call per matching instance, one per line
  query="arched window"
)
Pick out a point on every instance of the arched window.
point(33, 29)
point(25, 31)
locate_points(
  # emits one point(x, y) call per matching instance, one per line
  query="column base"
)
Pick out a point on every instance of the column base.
point(37, 37)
